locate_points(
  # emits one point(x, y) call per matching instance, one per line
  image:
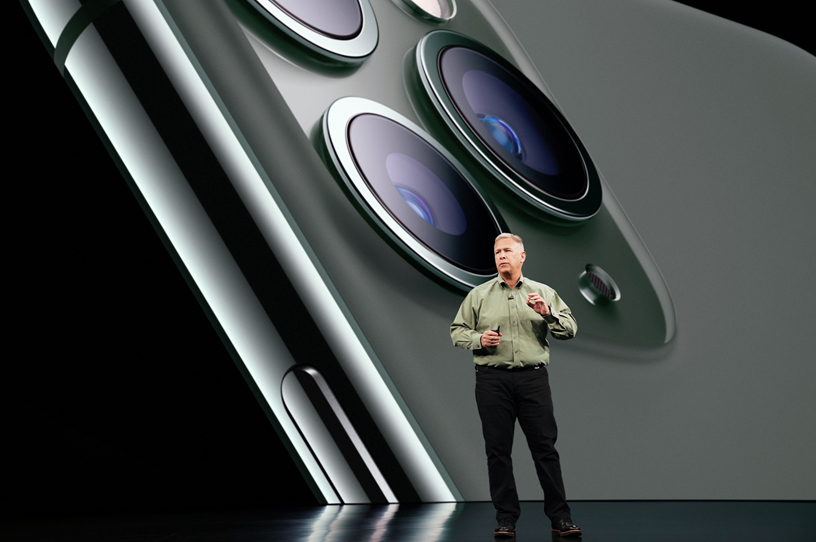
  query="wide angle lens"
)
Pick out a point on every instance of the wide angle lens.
point(509, 125)
point(415, 190)
point(341, 19)
point(439, 11)
point(339, 30)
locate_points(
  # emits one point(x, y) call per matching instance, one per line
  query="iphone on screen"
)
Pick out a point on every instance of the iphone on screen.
point(331, 175)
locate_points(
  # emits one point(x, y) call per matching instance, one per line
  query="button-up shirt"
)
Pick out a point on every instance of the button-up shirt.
point(524, 331)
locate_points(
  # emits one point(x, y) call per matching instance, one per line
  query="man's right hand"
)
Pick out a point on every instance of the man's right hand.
point(491, 338)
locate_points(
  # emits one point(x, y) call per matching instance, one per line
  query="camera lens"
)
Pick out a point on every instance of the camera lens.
point(434, 10)
point(515, 123)
point(341, 19)
point(504, 134)
point(509, 125)
point(415, 189)
point(416, 203)
point(423, 191)
point(339, 30)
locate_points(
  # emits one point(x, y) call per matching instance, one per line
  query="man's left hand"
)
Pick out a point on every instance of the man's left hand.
point(537, 303)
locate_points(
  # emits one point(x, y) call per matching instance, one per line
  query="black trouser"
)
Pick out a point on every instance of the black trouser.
point(506, 396)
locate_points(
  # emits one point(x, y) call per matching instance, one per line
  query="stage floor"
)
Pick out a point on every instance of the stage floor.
point(653, 521)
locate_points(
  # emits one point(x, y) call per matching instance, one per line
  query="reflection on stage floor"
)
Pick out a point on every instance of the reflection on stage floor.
point(623, 521)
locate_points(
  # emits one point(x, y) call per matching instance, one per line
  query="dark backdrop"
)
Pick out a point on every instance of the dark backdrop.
point(118, 394)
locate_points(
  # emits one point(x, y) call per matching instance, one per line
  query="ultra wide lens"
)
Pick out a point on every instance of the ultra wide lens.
point(508, 125)
point(504, 134)
point(514, 121)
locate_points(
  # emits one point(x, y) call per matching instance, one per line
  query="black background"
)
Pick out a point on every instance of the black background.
point(118, 394)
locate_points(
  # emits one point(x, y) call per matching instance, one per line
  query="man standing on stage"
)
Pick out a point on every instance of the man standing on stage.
point(505, 322)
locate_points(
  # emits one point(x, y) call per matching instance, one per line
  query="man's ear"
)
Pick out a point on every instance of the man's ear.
point(523, 256)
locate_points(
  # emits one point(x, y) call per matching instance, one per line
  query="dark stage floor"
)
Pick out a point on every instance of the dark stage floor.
point(601, 521)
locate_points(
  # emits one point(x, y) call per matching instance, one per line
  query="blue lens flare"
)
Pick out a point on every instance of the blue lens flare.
point(416, 203)
point(503, 134)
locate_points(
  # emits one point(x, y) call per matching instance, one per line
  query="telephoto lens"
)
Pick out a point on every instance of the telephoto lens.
point(415, 191)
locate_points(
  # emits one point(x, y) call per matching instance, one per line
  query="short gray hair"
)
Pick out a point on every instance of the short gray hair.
point(512, 236)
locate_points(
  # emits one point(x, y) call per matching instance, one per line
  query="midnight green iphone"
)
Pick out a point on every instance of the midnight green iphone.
point(331, 175)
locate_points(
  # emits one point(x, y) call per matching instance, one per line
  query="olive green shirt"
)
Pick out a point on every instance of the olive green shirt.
point(524, 331)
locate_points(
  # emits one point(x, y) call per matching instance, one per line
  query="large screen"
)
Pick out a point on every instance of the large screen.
point(700, 132)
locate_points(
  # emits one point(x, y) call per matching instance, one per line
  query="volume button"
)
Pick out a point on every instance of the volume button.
point(330, 435)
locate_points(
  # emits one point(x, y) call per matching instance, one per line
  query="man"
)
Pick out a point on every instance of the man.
point(505, 322)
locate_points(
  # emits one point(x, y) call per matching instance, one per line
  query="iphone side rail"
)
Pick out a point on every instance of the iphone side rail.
point(187, 229)
point(192, 41)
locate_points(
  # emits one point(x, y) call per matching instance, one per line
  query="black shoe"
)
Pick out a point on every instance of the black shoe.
point(565, 527)
point(505, 529)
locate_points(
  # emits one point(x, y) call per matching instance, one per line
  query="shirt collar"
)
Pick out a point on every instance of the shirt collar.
point(501, 282)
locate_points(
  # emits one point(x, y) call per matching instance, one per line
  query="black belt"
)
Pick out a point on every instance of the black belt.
point(508, 369)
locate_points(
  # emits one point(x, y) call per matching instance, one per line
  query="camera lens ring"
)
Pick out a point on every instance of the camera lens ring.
point(348, 48)
point(446, 9)
point(566, 203)
point(446, 243)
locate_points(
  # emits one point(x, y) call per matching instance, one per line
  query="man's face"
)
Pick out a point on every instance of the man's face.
point(509, 257)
